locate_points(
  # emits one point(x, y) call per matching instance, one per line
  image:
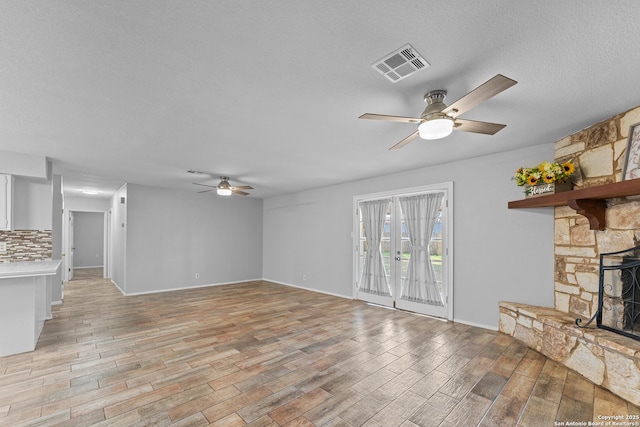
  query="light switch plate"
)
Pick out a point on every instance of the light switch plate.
point(3, 246)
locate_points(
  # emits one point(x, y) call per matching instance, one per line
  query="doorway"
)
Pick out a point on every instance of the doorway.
point(72, 246)
point(86, 243)
point(402, 251)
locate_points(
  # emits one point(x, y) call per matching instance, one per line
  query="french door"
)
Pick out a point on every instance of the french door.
point(402, 250)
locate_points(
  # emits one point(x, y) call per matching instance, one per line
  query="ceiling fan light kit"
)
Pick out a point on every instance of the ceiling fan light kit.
point(435, 128)
point(438, 121)
point(435, 124)
point(225, 189)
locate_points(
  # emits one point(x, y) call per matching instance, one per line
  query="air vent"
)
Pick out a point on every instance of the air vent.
point(196, 172)
point(400, 64)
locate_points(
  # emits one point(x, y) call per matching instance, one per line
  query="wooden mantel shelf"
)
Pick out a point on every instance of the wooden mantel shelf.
point(590, 202)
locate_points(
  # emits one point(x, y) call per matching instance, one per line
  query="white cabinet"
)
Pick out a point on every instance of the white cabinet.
point(25, 303)
point(6, 202)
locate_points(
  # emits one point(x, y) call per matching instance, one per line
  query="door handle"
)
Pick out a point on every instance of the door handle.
point(398, 258)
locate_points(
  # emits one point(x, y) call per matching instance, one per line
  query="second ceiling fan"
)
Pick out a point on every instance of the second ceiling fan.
point(225, 188)
point(437, 120)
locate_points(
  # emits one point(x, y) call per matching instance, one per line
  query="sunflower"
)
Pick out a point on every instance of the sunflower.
point(545, 172)
point(568, 168)
point(544, 166)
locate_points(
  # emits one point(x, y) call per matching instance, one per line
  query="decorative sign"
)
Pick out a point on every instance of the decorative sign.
point(542, 189)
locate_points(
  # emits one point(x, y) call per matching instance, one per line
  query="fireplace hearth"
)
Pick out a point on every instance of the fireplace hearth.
point(608, 355)
point(619, 293)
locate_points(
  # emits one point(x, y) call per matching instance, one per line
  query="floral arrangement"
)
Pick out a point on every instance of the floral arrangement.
point(545, 172)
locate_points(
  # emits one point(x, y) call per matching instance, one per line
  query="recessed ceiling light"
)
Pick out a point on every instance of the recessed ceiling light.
point(91, 192)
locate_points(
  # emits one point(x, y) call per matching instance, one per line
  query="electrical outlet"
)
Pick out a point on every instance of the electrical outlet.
point(197, 275)
point(304, 277)
point(3, 246)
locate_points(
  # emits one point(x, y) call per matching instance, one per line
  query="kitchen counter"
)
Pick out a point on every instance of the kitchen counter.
point(25, 303)
point(28, 268)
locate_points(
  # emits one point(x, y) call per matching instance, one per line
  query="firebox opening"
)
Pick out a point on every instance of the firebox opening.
point(619, 292)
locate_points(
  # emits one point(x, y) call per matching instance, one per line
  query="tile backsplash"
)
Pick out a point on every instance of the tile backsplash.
point(26, 245)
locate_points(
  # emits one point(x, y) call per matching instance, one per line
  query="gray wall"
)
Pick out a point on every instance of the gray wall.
point(25, 165)
point(88, 239)
point(87, 204)
point(499, 254)
point(172, 235)
point(56, 236)
point(119, 238)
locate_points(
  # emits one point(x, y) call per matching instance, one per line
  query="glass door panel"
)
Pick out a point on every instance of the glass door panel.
point(422, 288)
point(419, 286)
point(374, 256)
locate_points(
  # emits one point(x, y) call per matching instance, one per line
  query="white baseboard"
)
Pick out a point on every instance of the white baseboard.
point(157, 291)
point(464, 322)
point(478, 325)
point(119, 288)
point(308, 289)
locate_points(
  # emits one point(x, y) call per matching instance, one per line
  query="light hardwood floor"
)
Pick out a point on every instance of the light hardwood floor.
point(87, 273)
point(262, 354)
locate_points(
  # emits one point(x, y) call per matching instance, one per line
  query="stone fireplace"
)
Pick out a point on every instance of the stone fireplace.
point(606, 358)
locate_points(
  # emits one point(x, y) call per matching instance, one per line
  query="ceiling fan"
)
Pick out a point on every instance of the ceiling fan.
point(225, 189)
point(437, 120)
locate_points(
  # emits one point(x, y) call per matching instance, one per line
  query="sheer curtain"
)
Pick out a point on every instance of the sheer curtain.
point(374, 277)
point(420, 215)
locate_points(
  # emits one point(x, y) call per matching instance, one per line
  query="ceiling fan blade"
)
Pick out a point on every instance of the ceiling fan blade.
point(405, 141)
point(487, 90)
point(243, 187)
point(205, 185)
point(205, 191)
point(240, 193)
point(477, 127)
point(384, 117)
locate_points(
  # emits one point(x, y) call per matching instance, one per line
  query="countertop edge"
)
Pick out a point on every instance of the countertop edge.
point(29, 269)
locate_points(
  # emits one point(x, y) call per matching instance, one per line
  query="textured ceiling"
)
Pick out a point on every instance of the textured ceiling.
point(269, 92)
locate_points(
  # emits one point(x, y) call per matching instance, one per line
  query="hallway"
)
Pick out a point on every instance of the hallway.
point(87, 273)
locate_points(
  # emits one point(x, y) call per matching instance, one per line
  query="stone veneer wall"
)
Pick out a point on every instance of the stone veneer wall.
point(26, 245)
point(599, 154)
point(606, 358)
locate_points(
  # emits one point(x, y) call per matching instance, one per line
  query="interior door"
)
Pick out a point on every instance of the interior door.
point(71, 245)
point(411, 249)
